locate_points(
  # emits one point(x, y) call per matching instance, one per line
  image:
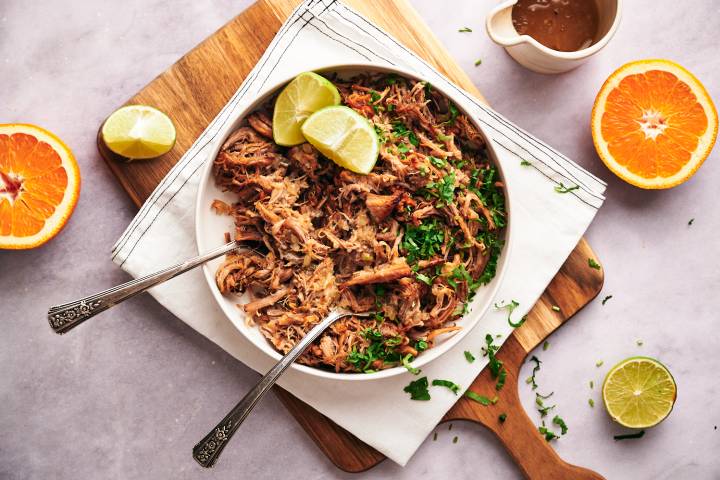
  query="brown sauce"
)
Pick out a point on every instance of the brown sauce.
point(564, 25)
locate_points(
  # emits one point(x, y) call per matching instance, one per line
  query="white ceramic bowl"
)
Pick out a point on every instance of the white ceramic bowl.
point(211, 227)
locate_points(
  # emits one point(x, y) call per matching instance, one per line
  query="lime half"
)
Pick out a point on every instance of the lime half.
point(304, 95)
point(139, 131)
point(344, 136)
point(639, 392)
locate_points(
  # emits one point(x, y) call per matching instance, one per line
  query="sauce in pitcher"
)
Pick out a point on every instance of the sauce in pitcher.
point(563, 25)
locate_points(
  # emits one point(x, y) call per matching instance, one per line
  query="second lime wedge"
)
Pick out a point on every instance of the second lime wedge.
point(304, 95)
point(344, 136)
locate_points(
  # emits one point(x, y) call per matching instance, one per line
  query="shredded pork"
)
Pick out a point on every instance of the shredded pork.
point(411, 241)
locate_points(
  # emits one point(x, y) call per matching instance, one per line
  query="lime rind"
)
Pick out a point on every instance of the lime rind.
point(639, 392)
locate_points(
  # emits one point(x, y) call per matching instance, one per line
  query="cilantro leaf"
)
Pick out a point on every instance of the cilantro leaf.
point(406, 363)
point(465, 30)
point(423, 241)
point(469, 357)
point(510, 308)
point(454, 387)
point(502, 417)
point(481, 399)
point(418, 389)
point(536, 368)
point(563, 189)
point(549, 434)
point(593, 264)
point(606, 299)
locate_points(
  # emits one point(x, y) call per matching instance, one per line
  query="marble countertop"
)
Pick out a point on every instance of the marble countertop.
point(126, 397)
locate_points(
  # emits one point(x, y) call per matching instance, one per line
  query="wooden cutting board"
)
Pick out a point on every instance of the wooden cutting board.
point(193, 91)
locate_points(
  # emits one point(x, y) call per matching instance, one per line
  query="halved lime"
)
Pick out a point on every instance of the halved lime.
point(344, 136)
point(304, 95)
point(139, 131)
point(639, 392)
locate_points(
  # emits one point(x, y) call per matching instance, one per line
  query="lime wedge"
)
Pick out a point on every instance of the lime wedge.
point(344, 136)
point(138, 131)
point(304, 95)
point(639, 392)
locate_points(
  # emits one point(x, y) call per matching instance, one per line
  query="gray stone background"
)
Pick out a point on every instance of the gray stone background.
point(128, 395)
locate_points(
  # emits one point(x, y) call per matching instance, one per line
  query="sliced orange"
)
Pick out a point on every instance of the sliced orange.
point(39, 185)
point(653, 123)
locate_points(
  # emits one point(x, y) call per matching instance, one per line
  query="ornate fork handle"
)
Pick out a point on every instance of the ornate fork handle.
point(207, 451)
point(64, 318)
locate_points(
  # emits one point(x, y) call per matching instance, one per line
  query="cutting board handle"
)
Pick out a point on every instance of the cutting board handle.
point(533, 454)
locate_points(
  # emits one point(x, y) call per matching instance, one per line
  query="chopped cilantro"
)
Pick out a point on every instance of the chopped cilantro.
point(639, 343)
point(501, 380)
point(469, 357)
point(406, 363)
point(454, 387)
point(437, 162)
point(525, 163)
point(630, 435)
point(690, 222)
point(593, 264)
point(510, 308)
point(374, 96)
point(380, 349)
point(592, 384)
point(424, 278)
point(403, 148)
point(563, 189)
point(502, 417)
point(481, 399)
point(591, 402)
point(599, 363)
point(461, 274)
point(423, 241)
point(549, 434)
point(444, 190)
point(454, 112)
point(434, 436)
point(478, 62)
point(455, 439)
point(555, 308)
point(560, 423)
point(465, 30)
point(606, 299)
point(536, 368)
point(497, 370)
point(421, 345)
point(400, 130)
point(546, 344)
point(542, 408)
point(391, 79)
point(418, 389)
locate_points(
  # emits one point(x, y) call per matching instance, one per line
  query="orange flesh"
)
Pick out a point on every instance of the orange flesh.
point(652, 123)
point(32, 184)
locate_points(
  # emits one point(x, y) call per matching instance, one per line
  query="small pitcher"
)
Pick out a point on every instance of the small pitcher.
point(531, 54)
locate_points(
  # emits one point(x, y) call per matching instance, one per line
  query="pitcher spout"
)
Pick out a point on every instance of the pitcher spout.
point(500, 27)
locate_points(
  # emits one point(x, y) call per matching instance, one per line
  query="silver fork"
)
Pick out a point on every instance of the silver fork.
point(207, 451)
point(67, 316)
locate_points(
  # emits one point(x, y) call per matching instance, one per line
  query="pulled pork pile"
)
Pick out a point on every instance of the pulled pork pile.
point(412, 241)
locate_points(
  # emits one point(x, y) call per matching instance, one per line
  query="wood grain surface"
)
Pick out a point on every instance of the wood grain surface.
point(193, 91)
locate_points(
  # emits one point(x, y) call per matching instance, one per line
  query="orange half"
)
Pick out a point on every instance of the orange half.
point(653, 123)
point(39, 185)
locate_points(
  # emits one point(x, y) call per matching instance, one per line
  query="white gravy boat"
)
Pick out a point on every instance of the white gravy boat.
point(531, 54)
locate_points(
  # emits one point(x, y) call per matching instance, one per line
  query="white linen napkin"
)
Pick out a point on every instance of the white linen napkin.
point(547, 226)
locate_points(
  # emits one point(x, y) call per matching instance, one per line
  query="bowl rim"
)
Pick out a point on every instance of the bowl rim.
point(428, 355)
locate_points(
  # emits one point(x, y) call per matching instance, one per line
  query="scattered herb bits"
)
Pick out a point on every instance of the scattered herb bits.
point(455, 439)
point(555, 308)
point(639, 343)
point(690, 222)
point(469, 357)
point(599, 363)
point(481, 399)
point(478, 62)
point(591, 402)
point(525, 163)
point(593, 264)
point(604, 301)
point(563, 189)
point(629, 436)
point(546, 344)
point(536, 368)
point(434, 436)
point(465, 30)
point(592, 384)
point(502, 417)
point(454, 387)
point(510, 307)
